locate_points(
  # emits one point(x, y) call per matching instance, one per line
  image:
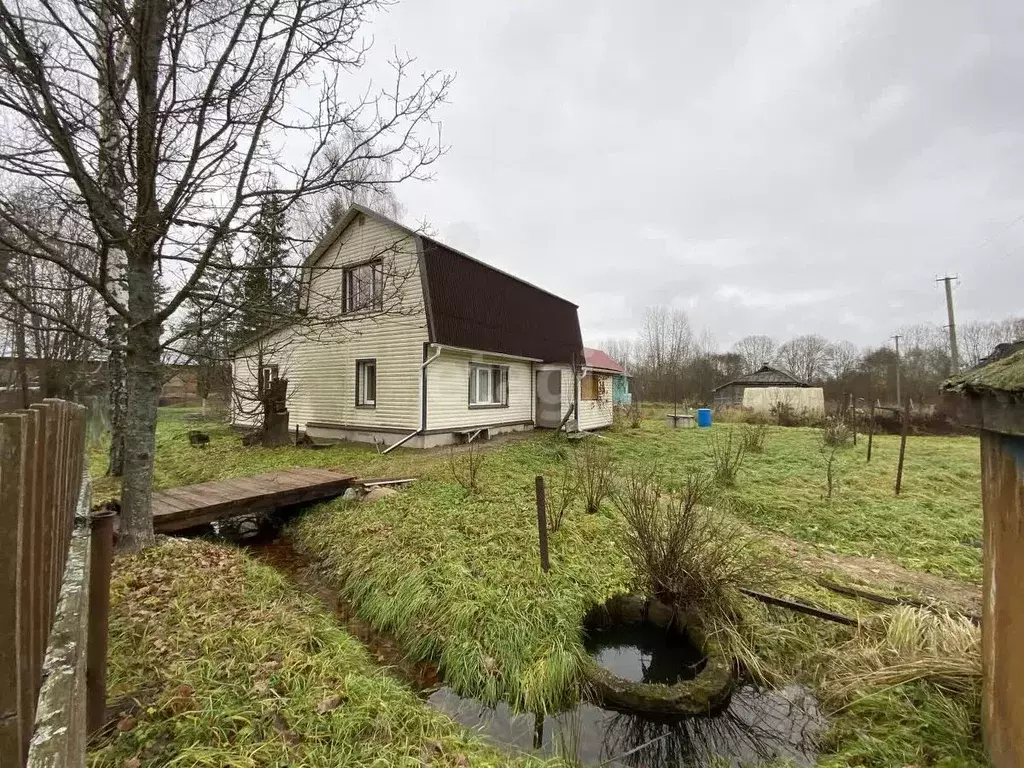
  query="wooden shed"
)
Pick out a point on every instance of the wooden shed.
point(991, 398)
point(731, 393)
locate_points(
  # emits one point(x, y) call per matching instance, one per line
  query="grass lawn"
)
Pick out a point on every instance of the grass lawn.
point(455, 576)
point(230, 667)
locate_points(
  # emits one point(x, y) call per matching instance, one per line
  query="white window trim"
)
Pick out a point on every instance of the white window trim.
point(480, 372)
point(362, 367)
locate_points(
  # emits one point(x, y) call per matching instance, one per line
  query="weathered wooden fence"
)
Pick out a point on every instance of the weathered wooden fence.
point(41, 479)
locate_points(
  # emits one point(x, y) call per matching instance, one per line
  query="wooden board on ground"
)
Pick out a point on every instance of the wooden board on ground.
point(190, 505)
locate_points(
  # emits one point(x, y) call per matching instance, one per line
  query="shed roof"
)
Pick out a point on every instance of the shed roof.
point(1001, 371)
point(766, 375)
point(595, 358)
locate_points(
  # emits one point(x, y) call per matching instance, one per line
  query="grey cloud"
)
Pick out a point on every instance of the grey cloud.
point(777, 168)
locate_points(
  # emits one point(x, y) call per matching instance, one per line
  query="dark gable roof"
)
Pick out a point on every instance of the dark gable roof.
point(766, 376)
point(475, 306)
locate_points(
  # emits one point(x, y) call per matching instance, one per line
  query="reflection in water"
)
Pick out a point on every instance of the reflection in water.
point(756, 726)
point(644, 653)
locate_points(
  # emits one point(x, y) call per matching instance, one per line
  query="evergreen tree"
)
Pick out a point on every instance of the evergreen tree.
point(267, 288)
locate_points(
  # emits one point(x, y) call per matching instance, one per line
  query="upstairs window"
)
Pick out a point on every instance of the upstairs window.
point(488, 386)
point(363, 287)
point(366, 383)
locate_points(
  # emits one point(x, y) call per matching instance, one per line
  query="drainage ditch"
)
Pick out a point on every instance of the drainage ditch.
point(752, 727)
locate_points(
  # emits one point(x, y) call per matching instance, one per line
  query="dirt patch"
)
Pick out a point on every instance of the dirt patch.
point(884, 576)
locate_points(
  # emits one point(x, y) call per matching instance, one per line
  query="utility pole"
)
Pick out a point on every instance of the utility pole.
point(954, 357)
point(897, 337)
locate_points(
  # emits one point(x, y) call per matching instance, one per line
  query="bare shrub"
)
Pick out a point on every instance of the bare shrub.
point(753, 438)
point(561, 494)
point(628, 416)
point(836, 432)
point(784, 413)
point(830, 460)
point(727, 454)
point(681, 551)
point(593, 473)
point(464, 466)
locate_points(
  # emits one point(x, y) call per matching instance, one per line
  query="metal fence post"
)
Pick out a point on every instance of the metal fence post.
point(542, 525)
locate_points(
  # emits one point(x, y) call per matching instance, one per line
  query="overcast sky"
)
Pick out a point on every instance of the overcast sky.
point(771, 167)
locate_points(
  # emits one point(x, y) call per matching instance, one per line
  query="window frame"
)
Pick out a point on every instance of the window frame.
point(475, 371)
point(362, 365)
point(268, 372)
point(376, 302)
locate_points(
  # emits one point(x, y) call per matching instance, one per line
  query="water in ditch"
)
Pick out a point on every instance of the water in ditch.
point(755, 727)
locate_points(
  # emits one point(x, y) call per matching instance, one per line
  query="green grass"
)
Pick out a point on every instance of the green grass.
point(929, 527)
point(456, 577)
point(231, 667)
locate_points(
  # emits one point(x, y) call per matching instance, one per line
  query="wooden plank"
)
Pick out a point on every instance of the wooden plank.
point(15, 706)
point(32, 538)
point(188, 506)
point(792, 605)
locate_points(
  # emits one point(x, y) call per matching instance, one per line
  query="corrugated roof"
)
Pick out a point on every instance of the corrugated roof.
point(1002, 371)
point(595, 358)
point(766, 374)
point(475, 306)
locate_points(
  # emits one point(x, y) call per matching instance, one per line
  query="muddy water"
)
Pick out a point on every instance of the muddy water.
point(756, 726)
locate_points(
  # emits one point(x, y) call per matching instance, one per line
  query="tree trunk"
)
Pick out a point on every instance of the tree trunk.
point(143, 391)
point(117, 396)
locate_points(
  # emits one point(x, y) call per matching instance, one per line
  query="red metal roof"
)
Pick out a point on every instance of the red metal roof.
point(595, 358)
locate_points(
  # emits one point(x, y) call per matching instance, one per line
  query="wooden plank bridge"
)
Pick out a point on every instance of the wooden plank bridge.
point(175, 509)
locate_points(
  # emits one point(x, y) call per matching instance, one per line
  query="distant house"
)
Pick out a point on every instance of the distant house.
point(766, 387)
point(424, 346)
point(604, 364)
point(991, 399)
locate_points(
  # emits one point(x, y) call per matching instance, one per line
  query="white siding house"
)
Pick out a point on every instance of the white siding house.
point(403, 340)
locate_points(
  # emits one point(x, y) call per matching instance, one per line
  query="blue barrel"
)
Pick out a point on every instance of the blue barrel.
point(703, 417)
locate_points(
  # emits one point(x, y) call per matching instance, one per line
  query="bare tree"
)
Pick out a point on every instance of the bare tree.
point(756, 351)
point(843, 359)
point(805, 356)
point(216, 106)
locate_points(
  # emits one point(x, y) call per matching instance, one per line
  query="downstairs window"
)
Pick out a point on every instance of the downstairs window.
point(488, 386)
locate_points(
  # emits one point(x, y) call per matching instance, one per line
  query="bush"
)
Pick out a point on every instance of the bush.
point(593, 473)
point(464, 466)
point(628, 416)
point(681, 552)
point(753, 438)
point(836, 432)
point(727, 456)
point(561, 494)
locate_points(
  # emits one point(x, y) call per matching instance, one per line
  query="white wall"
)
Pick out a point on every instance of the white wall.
point(596, 414)
point(319, 358)
point(448, 392)
point(809, 400)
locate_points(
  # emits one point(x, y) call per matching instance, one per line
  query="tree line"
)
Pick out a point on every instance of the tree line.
point(670, 361)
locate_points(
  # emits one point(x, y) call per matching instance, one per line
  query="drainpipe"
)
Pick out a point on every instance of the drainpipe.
point(423, 399)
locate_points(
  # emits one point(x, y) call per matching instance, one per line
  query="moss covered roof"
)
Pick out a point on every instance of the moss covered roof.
point(1002, 371)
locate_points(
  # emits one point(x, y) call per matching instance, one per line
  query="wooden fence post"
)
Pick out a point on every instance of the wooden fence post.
point(16, 685)
point(871, 429)
point(903, 446)
point(542, 525)
point(101, 552)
